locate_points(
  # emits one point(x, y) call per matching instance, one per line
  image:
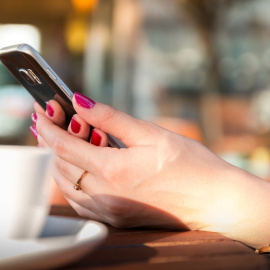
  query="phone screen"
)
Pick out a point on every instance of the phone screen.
point(36, 79)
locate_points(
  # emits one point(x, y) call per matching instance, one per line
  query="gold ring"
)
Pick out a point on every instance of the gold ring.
point(77, 185)
point(263, 250)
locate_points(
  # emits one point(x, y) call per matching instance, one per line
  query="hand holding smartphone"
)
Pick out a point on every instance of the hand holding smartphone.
point(38, 78)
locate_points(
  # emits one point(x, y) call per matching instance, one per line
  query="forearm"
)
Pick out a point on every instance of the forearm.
point(242, 211)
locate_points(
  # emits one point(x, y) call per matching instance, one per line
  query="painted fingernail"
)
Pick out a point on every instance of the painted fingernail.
point(84, 101)
point(49, 109)
point(34, 131)
point(96, 138)
point(34, 118)
point(75, 126)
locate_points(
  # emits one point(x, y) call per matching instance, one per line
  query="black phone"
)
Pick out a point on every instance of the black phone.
point(38, 78)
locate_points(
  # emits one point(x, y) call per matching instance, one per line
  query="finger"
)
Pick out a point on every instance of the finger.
point(67, 187)
point(34, 131)
point(84, 212)
point(83, 204)
point(42, 143)
point(74, 150)
point(66, 175)
point(79, 128)
point(118, 124)
point(38, 108)
point(34, 118)
point(55, 112)
point(72, 173)
point(99, 138)
point(67, 171)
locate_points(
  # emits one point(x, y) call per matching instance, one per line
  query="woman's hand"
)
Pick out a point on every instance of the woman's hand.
point(161, 179)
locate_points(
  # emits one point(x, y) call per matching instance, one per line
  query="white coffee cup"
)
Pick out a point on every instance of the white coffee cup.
point(25, 179)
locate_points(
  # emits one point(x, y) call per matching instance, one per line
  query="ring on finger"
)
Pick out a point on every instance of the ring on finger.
point(77, 186)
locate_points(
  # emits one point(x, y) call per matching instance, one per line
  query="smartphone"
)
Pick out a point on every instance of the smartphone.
point(39, 79)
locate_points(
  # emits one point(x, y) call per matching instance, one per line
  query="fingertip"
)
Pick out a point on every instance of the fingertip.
point(49, 109)
point(55, 112)
point(78, 127)
point(75, 126)
point(118, 124)
point(34, 118)
point(99, 138)
point(96, 138)
point(40, 142)
point(38, 108)
point(34, 131)
point(83, 101)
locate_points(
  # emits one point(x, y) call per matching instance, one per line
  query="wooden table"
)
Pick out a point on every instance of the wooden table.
point(161, 249)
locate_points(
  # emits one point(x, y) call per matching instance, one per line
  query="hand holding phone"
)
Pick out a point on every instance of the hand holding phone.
point(38, 78)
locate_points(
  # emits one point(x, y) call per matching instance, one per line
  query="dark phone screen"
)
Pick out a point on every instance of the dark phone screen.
point(42, 92)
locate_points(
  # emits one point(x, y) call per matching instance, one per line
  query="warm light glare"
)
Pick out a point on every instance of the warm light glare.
point(11, 34)
point(84, 5)
point(76, 35)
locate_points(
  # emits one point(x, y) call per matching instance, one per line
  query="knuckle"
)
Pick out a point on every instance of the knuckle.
point(109, 114)
point(59, 146)
point(108, 171)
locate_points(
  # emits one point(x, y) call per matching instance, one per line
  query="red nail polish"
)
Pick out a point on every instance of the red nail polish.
point(84, 101)
point(34, 118)
point(96, 138)
point(75, 126)
point(49, 109)
point(34, 131)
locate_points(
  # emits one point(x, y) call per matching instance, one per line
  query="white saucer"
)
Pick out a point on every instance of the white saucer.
point(62, 241)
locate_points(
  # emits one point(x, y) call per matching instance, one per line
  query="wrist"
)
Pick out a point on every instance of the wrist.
point(240, 209)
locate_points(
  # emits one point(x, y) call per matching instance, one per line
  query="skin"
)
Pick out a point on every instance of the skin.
point(162, 179)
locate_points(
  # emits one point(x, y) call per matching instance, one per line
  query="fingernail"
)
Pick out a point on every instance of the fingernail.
point(34, 131)
point(84, 101)
point(49, 109)
point(96, 138)
point(34, 118)
point(75, 126)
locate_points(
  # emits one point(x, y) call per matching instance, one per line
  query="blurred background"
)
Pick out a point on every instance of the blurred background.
point(198, 67)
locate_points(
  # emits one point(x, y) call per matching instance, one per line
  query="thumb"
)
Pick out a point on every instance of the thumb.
point(124, 127)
